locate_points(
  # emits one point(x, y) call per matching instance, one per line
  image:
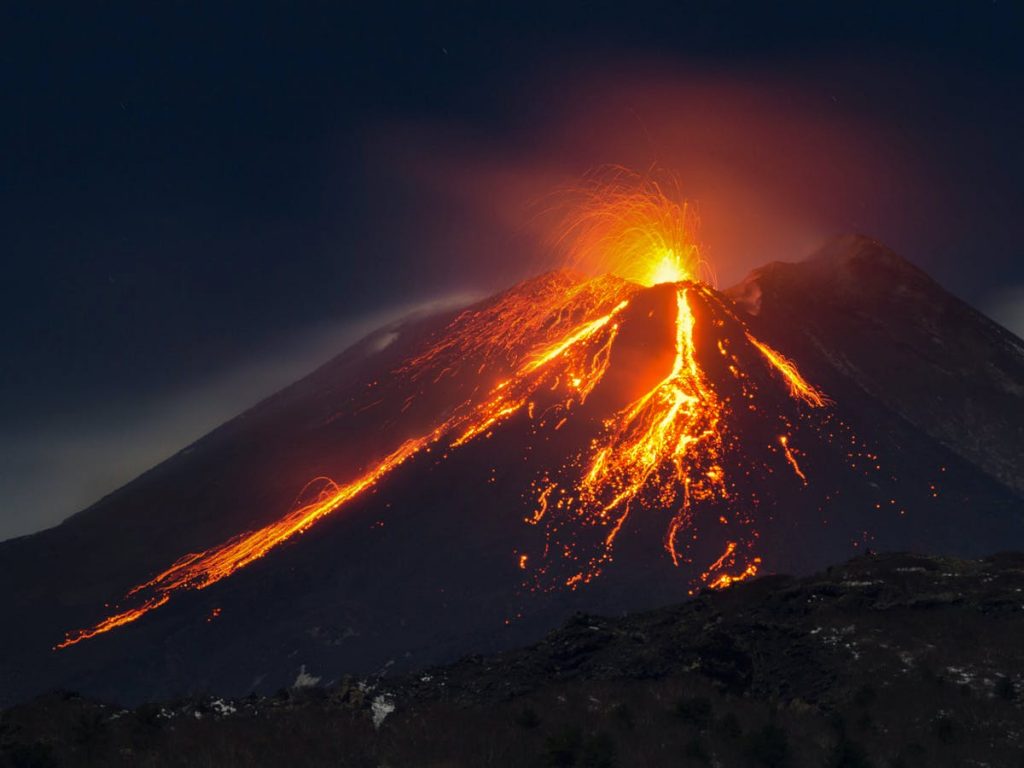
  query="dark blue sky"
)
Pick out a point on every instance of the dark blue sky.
point(187, 195)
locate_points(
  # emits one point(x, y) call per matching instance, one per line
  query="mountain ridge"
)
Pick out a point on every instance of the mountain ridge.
point(874, 661)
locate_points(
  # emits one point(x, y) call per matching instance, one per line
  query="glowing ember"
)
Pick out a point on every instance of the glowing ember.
point(663, 448)
point(798, 387)
point(784, 442)
point(539, 354)
point(629, 225)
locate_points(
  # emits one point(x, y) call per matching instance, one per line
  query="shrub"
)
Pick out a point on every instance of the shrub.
point(89, 733)
point(567, 747)
point(623, 715)
point(695, 751)
point(563, 747)
point(599, 751)
point(848, 755)
point(729, 726)
point(945, 729)
point(526, 717)
point(768, 747)
point(1005, 689)
point(31, 756)
point(696, 711)
point(865, 696)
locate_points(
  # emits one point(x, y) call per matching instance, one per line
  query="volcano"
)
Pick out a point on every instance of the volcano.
point(461, 483)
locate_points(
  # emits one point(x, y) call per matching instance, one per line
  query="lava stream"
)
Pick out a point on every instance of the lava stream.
point(199, 570)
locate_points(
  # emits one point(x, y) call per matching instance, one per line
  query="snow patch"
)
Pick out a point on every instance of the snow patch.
point(962, 675)
point(223, 708)
point(304, 679)
point(380, 708)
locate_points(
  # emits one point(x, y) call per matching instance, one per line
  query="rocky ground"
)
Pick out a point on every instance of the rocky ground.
point(888, 660)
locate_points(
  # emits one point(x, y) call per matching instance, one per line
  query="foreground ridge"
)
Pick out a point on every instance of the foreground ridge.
point(874, 661)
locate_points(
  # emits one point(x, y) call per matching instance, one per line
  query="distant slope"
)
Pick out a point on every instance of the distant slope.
point(942, 365)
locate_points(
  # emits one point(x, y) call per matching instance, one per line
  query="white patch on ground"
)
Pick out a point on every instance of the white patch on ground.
point(832, 635)
point(961, 675)
point(860, 583)
point(222, 708)
point(912, 569)
point(304, 679)
point(380, 708)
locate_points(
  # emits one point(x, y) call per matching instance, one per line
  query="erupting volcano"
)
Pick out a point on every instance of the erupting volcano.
point(668, 443)
point(610, 436)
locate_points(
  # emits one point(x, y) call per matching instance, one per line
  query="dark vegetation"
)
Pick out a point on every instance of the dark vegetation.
point(888, 661)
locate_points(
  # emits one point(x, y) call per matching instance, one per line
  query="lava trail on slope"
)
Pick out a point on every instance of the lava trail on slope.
point(678, 430)
point(646, 395)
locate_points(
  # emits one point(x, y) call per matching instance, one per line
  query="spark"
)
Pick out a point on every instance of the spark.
point(636, 227)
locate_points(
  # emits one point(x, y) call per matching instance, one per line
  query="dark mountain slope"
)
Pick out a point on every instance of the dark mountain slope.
point(942, 365)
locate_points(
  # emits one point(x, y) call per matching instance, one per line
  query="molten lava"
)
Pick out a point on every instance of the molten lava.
point(539, 354)
point(628, 225)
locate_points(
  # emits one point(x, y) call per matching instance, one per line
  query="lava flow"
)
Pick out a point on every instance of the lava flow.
point(540, 352)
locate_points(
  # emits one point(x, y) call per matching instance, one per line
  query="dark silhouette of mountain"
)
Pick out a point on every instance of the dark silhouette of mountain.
point(522, 466)
point(873, 662)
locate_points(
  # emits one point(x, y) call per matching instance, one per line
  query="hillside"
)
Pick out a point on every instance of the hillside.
point(888, 660)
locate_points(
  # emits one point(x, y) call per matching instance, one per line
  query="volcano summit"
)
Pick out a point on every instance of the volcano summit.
point(588, 443)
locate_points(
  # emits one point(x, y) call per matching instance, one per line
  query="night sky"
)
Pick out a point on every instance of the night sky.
point(197, 208)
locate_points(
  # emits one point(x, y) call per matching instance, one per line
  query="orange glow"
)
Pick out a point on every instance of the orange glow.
point(635, 227)
point(724, 580)
point(114, 621)
point(537, 353)
point(663, 448)
point(798, 386)
point(784, 442)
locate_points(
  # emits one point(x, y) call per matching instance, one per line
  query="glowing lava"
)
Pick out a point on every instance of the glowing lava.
point(630, 225)
point(539, 353)
point(581, 355)
point(664, 448)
